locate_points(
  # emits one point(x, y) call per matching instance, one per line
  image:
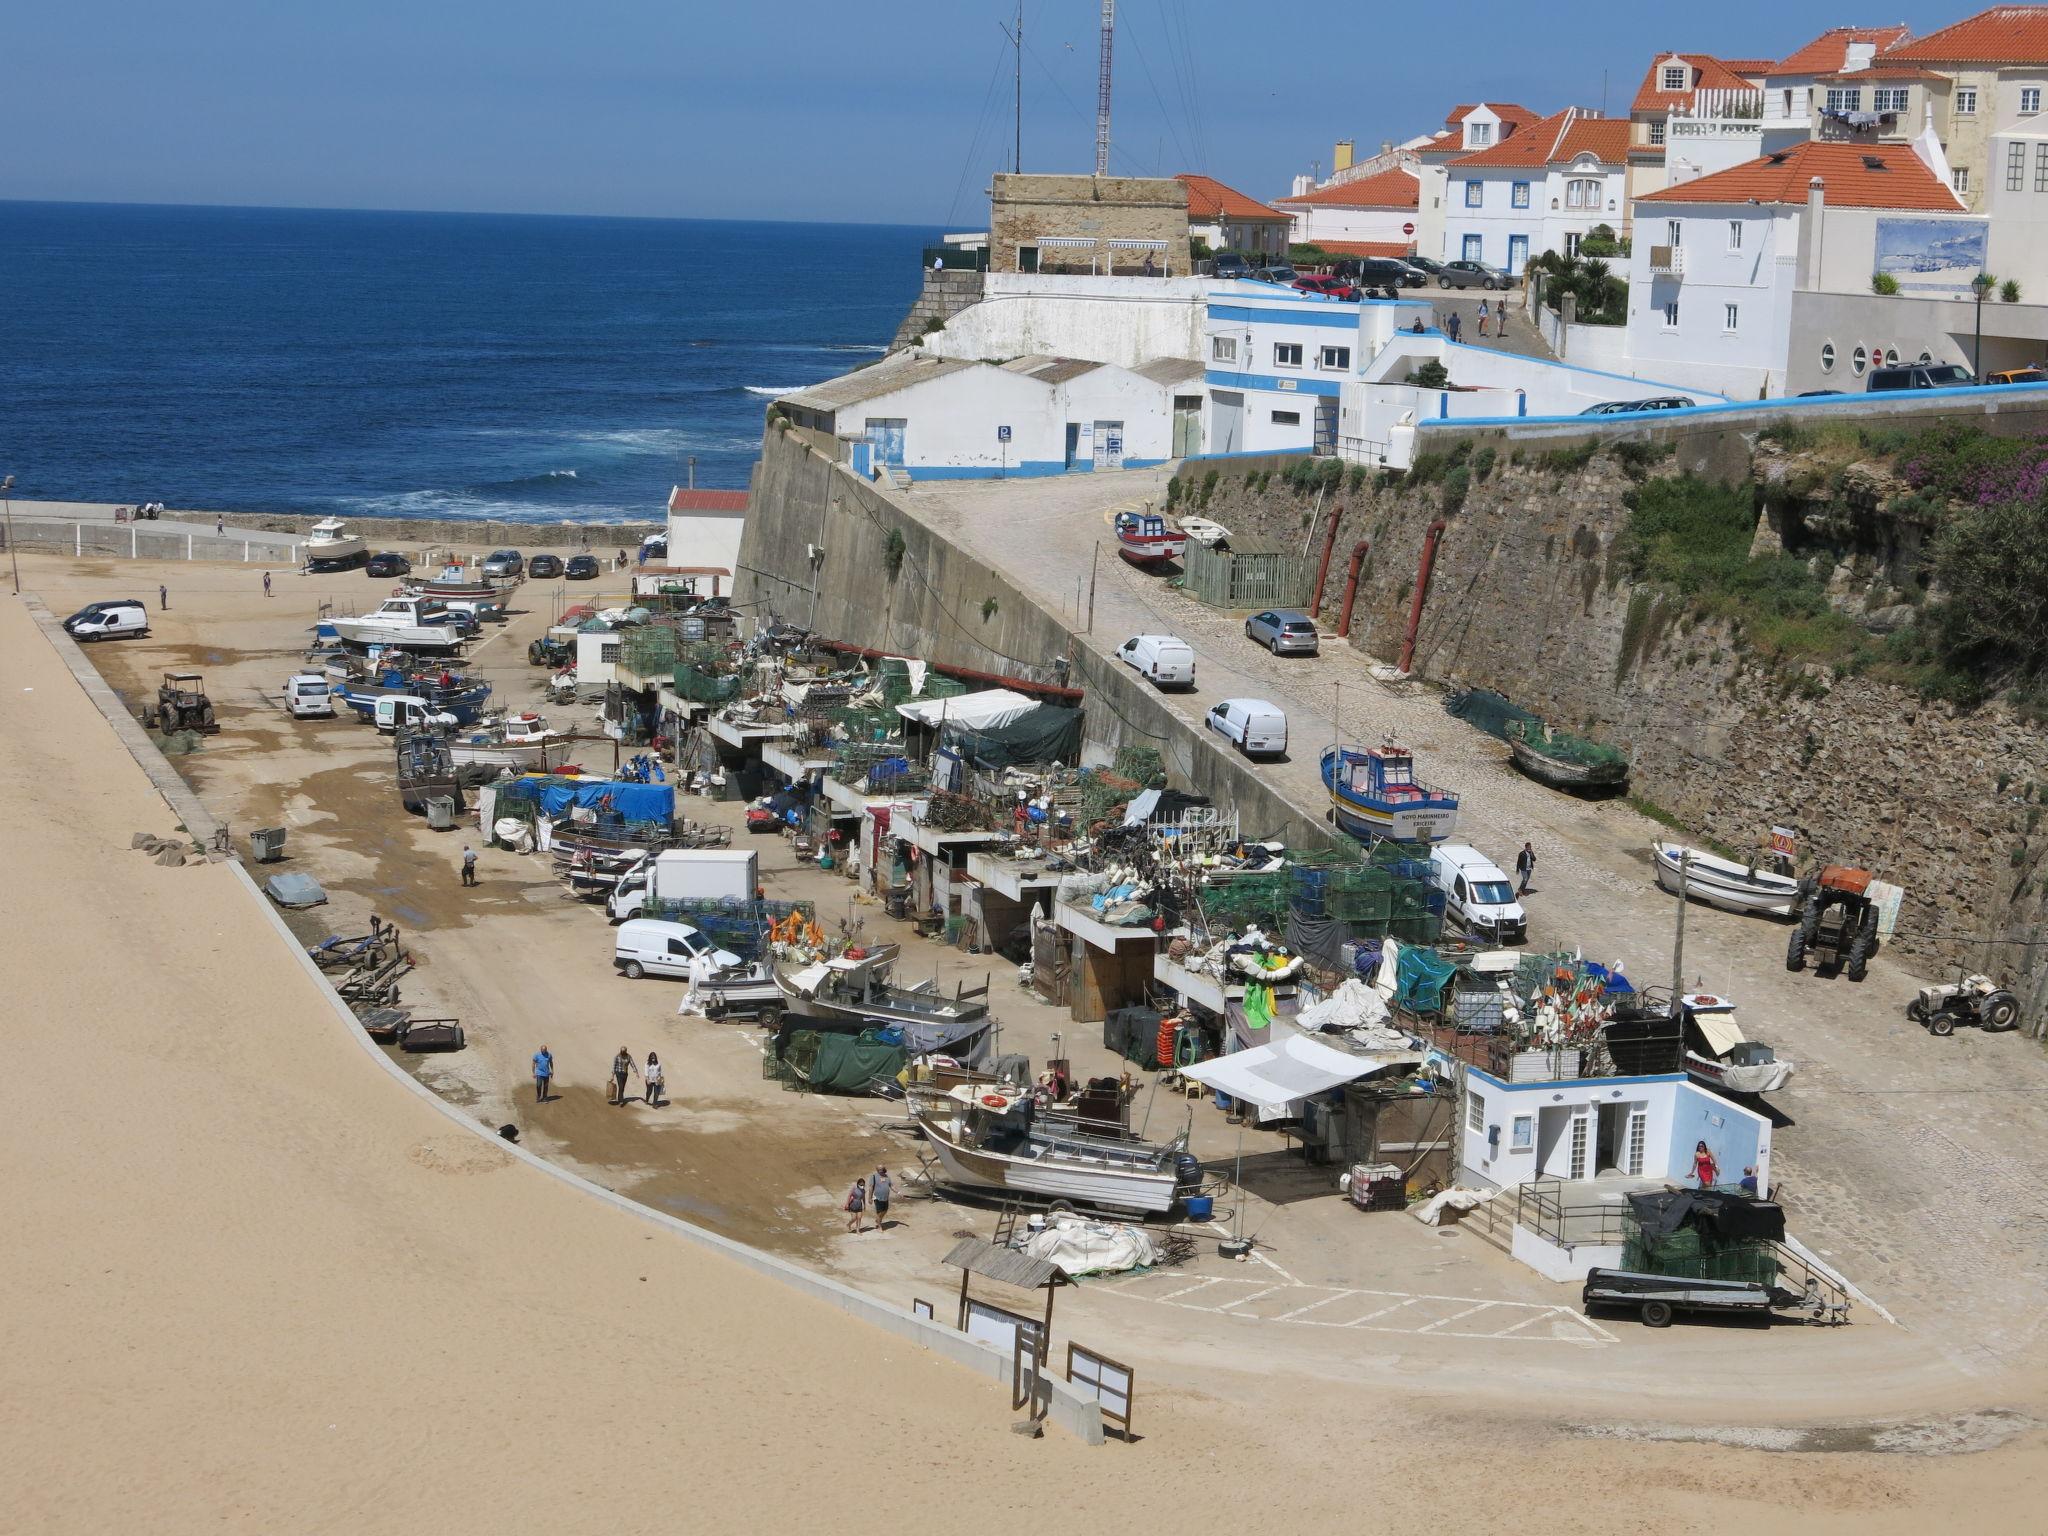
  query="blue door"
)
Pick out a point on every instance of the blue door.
point(1472, 248)
point(1518, 254)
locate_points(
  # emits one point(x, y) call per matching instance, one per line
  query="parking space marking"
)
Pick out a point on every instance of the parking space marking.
point(1229, 1296)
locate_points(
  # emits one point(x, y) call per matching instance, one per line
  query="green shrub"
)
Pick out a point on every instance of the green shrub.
point(893, 549)
point(1431, 375)
point(1884, 283)
point(1174, 488)
point(1457, 481)
point(1357, 478)
point(2009, 292)
point(1482, 463)
point(1636, 456)
point(1568, 461)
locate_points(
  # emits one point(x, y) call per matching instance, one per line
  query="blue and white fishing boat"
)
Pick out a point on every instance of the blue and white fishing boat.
point(465, 704)
point(1374, 794)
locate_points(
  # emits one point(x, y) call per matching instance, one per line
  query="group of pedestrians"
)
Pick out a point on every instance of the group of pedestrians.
point(1492, 314)
point(870, 1193)
point(652, 1077)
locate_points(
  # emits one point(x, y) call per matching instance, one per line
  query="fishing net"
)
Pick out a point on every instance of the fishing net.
point(1695, 1254)
point(1576, 749)
point(1494, 714)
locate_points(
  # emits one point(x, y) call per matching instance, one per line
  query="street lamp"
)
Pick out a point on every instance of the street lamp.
point(1980, 285)
point(7, 498)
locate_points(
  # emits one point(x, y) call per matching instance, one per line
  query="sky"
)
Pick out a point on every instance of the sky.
point(888, 111)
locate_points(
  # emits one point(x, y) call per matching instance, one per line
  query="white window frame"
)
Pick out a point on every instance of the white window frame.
point(1735, 234)
point(1959, 178)
point(2015, 165)
point(1671, 314)
point(1674, 233)
point(1859, 362)
point(1482, 133)
point(1827, 357)
point(1584, 192)
point(1966, 101)
point(1571, 242)
point(1894, 98)
point(1475, 192)
point(1673, 77)
point(1475, 1113)
point(1519, 197)
point(1731, 319)
point(1656, 133)
point(1524, 1134)
point(1286, 354)
point(1223, 349)
point(2030, 100)
point(1845, 98)
point(1335, 360)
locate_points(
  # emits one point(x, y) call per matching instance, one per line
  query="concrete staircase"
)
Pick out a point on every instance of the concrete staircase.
point(945, 294)
point(1492, 1223)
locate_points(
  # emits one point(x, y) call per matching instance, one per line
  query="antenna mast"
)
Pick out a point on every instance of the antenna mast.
point(1016, 36)
point(1102, 90)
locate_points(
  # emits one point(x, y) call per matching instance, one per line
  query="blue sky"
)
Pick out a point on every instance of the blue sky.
point(888, 111)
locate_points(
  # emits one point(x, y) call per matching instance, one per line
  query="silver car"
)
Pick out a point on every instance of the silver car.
point(504, 562)
point(1284, 632)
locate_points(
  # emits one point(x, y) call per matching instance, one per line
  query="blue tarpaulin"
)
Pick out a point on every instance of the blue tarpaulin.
point(632, 802)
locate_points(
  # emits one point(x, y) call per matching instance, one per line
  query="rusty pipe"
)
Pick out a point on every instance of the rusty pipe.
point(1429, 543)
point(1358, 553)
point(1323, 566)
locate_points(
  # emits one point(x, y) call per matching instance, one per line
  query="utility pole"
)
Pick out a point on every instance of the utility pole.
point(1678, 944)
point(1017, 151)
point(1093, 556)
point(7, 492)
point(1102, 89)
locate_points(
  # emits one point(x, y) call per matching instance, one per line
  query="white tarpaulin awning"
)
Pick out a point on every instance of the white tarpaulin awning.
point(1276, 1077)
point(975, 711)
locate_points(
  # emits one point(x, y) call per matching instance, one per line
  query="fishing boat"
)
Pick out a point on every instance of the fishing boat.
point(1718, 1054)
point(746, 991)
point(1724, 883)
point(1374, 794)
point(1146, 538)
point(992, 1139)
point(402, 621)
point(520, 742)
point(1563, 761)
point(330, 546)
point(425, 771)
point(451, 581)
point(1205, 531)
point(463, 706)
point(855, 989)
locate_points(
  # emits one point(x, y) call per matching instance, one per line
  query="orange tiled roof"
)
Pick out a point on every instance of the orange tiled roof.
point(1830, 51)
point(1879, 71)
point(1563, 137)
point(1751, 66)
point(683, 499)
point(1389, 189)
point(1851, 181)
point(1208, 199)
point(1506, 111)
point(1712, 74)
point(1394, 248)
point(2005, 34)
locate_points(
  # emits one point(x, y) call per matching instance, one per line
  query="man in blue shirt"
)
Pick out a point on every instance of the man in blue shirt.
point(543, 1074)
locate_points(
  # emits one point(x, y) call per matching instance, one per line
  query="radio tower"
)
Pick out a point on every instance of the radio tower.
point(1102, 90)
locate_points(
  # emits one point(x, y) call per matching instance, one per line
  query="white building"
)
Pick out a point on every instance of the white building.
point(704, 529)
point(1468, 129)
point(1227, 220)
point(1542, 190)
point(1695, 88)
point(1831, 88)
point(1123, 320)
point(1379, 209)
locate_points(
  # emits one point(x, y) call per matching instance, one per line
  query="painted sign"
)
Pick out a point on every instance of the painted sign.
point(1424, 824)
point(1931, 255)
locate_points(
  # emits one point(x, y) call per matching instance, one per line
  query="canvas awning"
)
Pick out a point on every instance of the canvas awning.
point(1274, 1078)
point(975, 711)
point(1719, 1029)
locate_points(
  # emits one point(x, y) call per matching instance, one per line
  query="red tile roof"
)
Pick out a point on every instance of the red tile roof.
point(1507, 111)
point(1394, 248)
point(1849, 182)
point(1708, 72)
point(1751, 66)
point(1556, 139)
point(1209, 199)
point(1830, 51)
point(1389, 189)
point(2005, 34)
point(684, 500)
point(1881, 71)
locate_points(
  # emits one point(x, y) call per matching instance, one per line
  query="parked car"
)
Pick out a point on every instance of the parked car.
point(647, 946)
point(1254, 725)
point(1425, 264)
point(1470, 274)
point(544, 567)
point(1230, 264)
point(1167, 659)
point(118, 619)
point(1382, 272)
point(1917, 376)
point(1477, 895)
point(1329, 287)
point(2017, 376)
point(1283, 631)
point(307, 696)
point(1815, 394)
point(1628, 407)
point(581, 568)
point(388, 564)
point(504, 562)
point(1283, 275)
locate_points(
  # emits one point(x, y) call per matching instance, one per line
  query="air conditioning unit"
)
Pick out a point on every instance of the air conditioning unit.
point(1668, 259)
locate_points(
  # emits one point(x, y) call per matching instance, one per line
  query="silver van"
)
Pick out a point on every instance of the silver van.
point(308, 696)
point(1168, 660)
point(1257, 727)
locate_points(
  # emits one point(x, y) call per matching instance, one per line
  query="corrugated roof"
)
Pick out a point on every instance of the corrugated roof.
point(683, 499)
point(2005, 34)
point(1170, 370)
point(897, 371)
point(1898, 179)
point(1556, 140)
point(1051, 370)
point(1707, 73)
point(1830, 51)
point(1389, 189)
point(1006, 1266)
point(1208, 198)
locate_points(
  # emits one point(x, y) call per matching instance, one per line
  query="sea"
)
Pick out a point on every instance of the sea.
point(429, 365)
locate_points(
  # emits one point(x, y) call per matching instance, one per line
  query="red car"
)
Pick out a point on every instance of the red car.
point(1329, 287)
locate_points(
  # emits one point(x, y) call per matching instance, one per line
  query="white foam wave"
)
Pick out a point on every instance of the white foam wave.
point(763, 389)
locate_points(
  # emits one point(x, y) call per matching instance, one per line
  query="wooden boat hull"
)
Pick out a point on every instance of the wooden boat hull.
point(1149, 1192)
point(1561, 773)
point(1766, 1077)
point(1722, 883)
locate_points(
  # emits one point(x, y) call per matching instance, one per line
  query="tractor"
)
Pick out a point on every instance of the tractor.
point(1975, 1000)
point(1837, 922)
point(181, 705)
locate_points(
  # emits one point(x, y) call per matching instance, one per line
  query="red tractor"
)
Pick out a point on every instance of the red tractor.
point(1837, 922)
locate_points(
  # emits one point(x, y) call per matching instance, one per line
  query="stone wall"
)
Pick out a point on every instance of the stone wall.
point(1024, 210)
point(411, 532)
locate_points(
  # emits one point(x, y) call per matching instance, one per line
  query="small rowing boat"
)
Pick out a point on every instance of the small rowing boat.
point(1722, 882)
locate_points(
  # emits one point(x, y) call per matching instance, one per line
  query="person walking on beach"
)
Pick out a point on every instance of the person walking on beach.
point(543, 1074)
point(1483, 312)
point(652, 1077)
point(266, 583)
point(163, 597)
point(878, 1197)
point(220, 525)
point(856, 1204)
point(1525, 869)
point(622, 1068)
point(468, 865)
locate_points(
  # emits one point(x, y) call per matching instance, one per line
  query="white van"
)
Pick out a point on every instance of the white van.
point(1168, 660)
point(1477, 896)
point(647, 946)
point(1254, 724)
point(307, 696)
point(108, 621)
point(408, 710)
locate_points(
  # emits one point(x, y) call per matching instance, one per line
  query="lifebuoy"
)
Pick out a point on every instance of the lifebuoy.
point(1706, 1002)
point(994, 1101)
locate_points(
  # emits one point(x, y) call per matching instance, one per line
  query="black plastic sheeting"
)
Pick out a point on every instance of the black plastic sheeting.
point(1050, 733)
point(1661, 1212)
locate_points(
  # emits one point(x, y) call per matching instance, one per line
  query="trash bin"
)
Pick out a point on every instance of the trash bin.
point(267, 843)
point(440, 813)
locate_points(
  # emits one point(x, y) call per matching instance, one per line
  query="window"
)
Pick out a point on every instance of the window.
point(1287, 418)
point(2041, 168)
point(2030, 100)
point(1891, 357)
point(1286, 354)
point(1525, 1133)
point(1638, 1131)
point(1966, 101)
point(1474, 192)
point(608, 651)
point(1223, 349)
point(1582, 192)
point(1571, 243)
point(1674, 77)
point(2015, 166)
point(1858, 361)
point(1827, 357)
point(1674, 233)
point(1788, 103)
point(1926, 357)
point(1894, 100)
point(1731, 315)
point(1656, 133)
point(1735, 234)
point(1960, 178)
point(1471, 248)
point(1521, 196)
point(1337, 359)
point(1845, 98)
point(1671, 316)
point(1475, 1113)
point(1482, 133)
point(1027, 258)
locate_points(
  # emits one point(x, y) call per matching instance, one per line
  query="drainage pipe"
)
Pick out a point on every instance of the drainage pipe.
point(1323, 566)
point(1429, 543)
point(1358, 553)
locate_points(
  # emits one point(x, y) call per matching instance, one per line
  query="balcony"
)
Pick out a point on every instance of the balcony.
point(1667, 261)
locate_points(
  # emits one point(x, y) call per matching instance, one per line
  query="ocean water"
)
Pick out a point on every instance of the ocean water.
point(417, 365)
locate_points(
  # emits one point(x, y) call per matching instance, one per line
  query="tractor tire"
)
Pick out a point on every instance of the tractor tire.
point(1857, 966)
point(206, 717)
point(1943, 1023)
point(1656, 1314)
point(1795, 950)
point(770, 1017)
point(2001, 1011)
point(1917, 1011)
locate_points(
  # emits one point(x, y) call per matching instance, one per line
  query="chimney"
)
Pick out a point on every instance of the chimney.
point(1816, 217)
point(1340, 158)
point(1386, 146)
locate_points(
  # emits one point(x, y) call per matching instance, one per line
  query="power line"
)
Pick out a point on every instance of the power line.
point(974, 144)
point(1146, 65)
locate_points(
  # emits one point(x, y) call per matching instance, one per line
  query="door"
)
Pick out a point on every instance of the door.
point(1610, 1150)
point(885, 439)
point(1227, 410)
point(1326, 424)
point(1073, 442)
point(1518, 254)
point(1472, 247)
point(1109, 445)
point(1187, 425)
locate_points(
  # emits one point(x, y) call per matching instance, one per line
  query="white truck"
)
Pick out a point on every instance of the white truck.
point(685, 874)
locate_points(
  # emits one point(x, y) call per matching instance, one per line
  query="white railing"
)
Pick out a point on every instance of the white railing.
point(1667, 260)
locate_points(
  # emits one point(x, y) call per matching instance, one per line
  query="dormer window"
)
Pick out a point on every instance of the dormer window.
point(1482, 133)
point(1674, 77)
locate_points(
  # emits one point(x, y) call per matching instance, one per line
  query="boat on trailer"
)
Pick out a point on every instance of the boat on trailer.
point(991, 1139)
point(852, 989)
point(330, 546)
point(1374, 794)
point(1722, 882)
point(1146, 538)
point(408, 622)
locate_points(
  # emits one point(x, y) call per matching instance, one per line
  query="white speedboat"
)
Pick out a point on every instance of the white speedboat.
point(989, 1138)
point(1724, 883)
point(399, 621)
point(521, 742)
point(1718, 1054)
point(330, 546)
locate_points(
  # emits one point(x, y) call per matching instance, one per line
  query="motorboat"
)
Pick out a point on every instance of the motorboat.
point(1374, 794)
point(1724, 883)
point(746, 991)
point(330, 546)
point(1205, 531)
point(425, 770)
point(855, 989)
point(410, 622)
point(463, 705)
point(992, 1138)
point(520, 742)
point(452, 581)
point(1718, 1054)
point(1146, 538)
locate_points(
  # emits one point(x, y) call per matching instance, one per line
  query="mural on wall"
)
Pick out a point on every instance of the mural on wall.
point(1932, 255)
